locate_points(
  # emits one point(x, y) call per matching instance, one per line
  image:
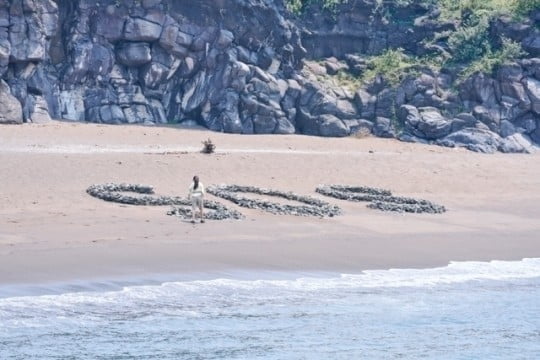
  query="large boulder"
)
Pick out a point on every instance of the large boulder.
point(531, 44)
point(10, 107)
point(463, 120)
point(263, 124)
point(433, 124)
point(39, 112)
point(510, 73)
point(111, 114)
point(141, 30)
point(134, 54)
point(533, 91)
point(101, 60)
point(195, 92)
point(173, 40)
point(385, 106)
point(331, 126)
point(406, 137)
point(507, 128)
point(72, 105)
point(365, 103)
point(157, 110)
point(359, 126)
point(110, 24)
point(137, 114)
point(384, 127)
point(426, 122)
point(32, 23)
point(153, 74)
point(526, 124)
point(490, 116)
point(284, 126)
point(479, 88)
point(224, 116)
point(478, 140)
point(5, 50)
point(517, 143)
point(515, 90)
point(535, 135)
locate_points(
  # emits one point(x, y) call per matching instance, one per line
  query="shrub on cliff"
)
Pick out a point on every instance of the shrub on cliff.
point(524, 7)
point(392, 64)
point(294, 6)
point(298, 6)
point(509, 51)
point(453, 9)
point(471, 40)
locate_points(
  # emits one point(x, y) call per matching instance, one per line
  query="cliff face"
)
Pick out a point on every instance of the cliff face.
point(238, 66)
point(149, 62)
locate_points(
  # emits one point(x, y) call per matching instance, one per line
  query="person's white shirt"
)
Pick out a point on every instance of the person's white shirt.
point(198, 192)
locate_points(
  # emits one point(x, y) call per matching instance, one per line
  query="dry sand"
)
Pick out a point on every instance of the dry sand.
point(51, 230)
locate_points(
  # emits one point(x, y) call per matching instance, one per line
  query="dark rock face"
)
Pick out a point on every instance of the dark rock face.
point(243, 66)
point(361, 28)
point(117, 61)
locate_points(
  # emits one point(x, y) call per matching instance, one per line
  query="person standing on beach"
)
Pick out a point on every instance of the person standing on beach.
point(196, 195)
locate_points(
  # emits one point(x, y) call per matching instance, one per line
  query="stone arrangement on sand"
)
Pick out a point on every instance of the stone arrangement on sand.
point(218, 212)
point(145, 196)
point(311, 206)
point(380, 199)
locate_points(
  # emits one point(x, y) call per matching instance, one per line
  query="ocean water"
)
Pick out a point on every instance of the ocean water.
point(466, 310)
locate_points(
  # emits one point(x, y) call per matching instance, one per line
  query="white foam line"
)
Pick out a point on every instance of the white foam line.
point(454, 273)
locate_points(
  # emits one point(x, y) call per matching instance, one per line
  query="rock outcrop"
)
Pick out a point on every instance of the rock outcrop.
point(10, 108)
point(245, 66)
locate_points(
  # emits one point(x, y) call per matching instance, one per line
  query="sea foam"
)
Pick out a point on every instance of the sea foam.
point(453, 273)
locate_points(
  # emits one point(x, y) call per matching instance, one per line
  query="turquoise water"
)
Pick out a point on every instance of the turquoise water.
point(467, 310)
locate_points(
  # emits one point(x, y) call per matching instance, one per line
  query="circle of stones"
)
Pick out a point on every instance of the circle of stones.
point(117, 193)
point(380, 199)
point(219, 212)
point(313, 207)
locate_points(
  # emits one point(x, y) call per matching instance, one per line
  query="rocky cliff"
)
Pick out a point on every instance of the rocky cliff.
point(252, 66)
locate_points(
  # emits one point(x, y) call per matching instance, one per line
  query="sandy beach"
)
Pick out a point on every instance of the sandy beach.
point(51, 230)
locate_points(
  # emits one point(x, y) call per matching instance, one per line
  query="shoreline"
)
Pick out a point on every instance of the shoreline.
point(51, 230)
point(453, 272)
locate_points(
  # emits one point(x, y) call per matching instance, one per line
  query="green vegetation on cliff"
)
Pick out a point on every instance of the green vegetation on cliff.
point(393, 64)
point(454, 9)
point(450, 9)
point(509, 50)
point(469, 46)
point(298, 6)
